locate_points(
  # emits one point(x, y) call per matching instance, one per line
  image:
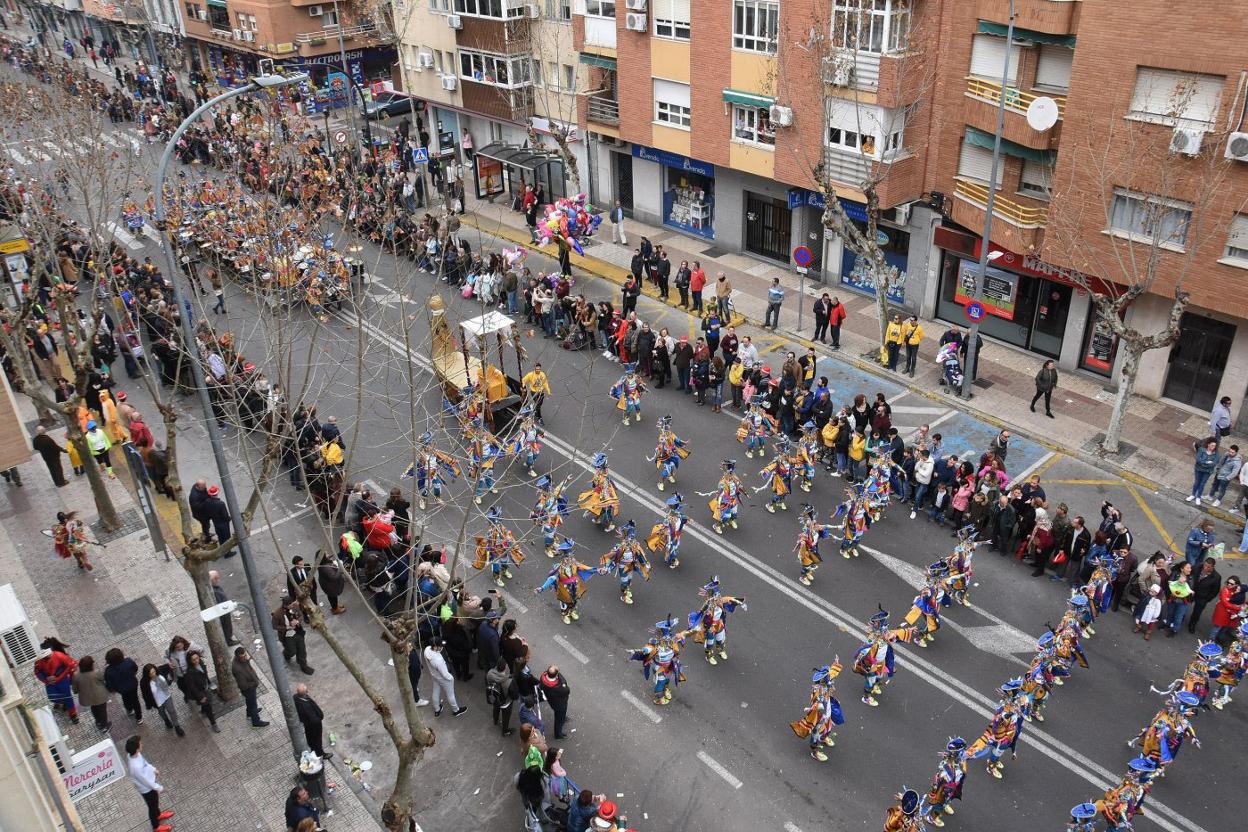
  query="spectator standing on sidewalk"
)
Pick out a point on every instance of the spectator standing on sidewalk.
point(333, 580)
point(893, 339)
point(1046, 383)
point(288, 622)
point(1207, 585)
point(299, 808)
point(198, 688)
point(1220, 419)
point(912, 336)
point(219, 597)
point(1227, 471)
point(617, 224)
point(51, 451)
point(836, 317)
point(723, 297)
point(144, 777)
point(443, 680)
point(697, 282)
point(157, 695)
point(92, 692)
point(121, 676)
point(1199, 541)
point(822, 309)
point(218, 514)
point(775, 297)
point(248, 682)
point(501, 693)
point(1206, 461)
point(683, 275)
point(555, 690)
point(312, 719)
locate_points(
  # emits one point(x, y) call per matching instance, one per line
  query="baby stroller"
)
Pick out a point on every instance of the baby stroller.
point(947, 357)
point(575, 339)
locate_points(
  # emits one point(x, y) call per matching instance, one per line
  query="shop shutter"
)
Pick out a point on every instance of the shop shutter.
point(1053, 69)
point(988, 55)
point(976, 163)
point(1037, 177)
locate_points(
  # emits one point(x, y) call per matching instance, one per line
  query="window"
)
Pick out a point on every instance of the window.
point(219, 17)
point(539, 77)
point(192, 11)
point(865, 129)
point(1037, 179)
point(439, 5)
point(560, 10)
point(988, 57)
point(755, 24)
point(494, 69)
point(552, 75)
point(671, 19)
point(753, 124)
point(871, 25)
point(480, 8)
point(569, 77)
point(1053, 68)
point(330, 19)
point(1237, 241)
point(975, 163)
point(600, 8)
point(1164, 96)
point(671, 103)
point(1150, 219)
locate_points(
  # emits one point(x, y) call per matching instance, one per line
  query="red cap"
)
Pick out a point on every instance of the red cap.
point(121, 395)
point(607, 810)
point(684, 339)
point(767, 370)
point(774, 383)
point(213, 491)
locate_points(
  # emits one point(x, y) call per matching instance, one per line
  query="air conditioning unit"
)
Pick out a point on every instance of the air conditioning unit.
point(1187, 141)
point(842, 75)
point(901, 214)
point(534, 11)
point(448, 82)
point(1237, 147)
point(635, 22)
point(58, 743)
point(454, 21)
point(780, 116)
point(17, 637)
point(203, 14)
point(424, 60)
point(250, 37)
point(636, 5)
point(238, 34)
point(315, 11)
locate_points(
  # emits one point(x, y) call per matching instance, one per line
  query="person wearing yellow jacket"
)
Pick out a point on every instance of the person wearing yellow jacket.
point(911, 336)
point(893, 340)
point(857, 455)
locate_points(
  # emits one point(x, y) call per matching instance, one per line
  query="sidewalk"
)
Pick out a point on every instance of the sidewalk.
point(135, 600)
point(1157, 441)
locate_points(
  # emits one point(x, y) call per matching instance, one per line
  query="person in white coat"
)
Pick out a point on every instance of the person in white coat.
point(443, 680)
point(143, 775)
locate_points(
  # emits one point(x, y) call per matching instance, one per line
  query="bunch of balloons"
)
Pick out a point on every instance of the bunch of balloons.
point(567, 220)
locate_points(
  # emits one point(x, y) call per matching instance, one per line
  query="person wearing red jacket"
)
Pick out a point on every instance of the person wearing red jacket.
point(1230, 605)
point(140, 433)
point(55, 669)
point(378, 530)
point(836, 317)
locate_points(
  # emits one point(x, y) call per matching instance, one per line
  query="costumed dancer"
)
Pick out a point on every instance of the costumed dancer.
point(854, 520)
point(1038, 680)
point(1104, 572)
point(602, 500)
point(549, 510)
point(627, 393)
point(498, 549)
point(877, 487)
point(1231, 670)
point(1120, 804)
point(726, 498)
point(626, 558)
point(431, 464)
point(947, 782)
point(1003, 731)
point(665, 534)
point(925, 610)
point(660, 658)
point(959, 563)
point(568, 578)
point(69, 539)
point(778, 476)
point(874, 660)
point(1067, 639)
point(1203, 667)
point(824, 712)
point(709, 625)
point(527, 440)
point(907, 815)
point(755, 427)
point(807, 546)
point(668, 453)
point(807, 455)
point(1082, 818)
point(483, 451)
point(1162, 739)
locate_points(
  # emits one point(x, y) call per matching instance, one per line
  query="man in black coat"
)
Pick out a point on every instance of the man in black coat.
point(48, 448)
point(311, 717)
point(216, 511)
point(196, 500)
point(1207, 586)
point(298, 577)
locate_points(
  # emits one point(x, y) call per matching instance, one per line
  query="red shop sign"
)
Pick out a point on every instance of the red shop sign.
point(1033, 266)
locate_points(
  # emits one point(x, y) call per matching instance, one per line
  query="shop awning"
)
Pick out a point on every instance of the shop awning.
point(749, 99)
point(980, 138)
point(598, 60)
point(218, 3)
point(1000, 29)
point(515, 156)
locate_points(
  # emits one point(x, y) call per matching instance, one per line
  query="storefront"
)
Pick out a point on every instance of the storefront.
point(768, 227)
point(847, 267)
point(688, 200)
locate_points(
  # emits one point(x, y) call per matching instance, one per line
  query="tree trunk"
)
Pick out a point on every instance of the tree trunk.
point(881, 301)
point(109, 519)
point(1126, 387)
point(396, 812)
point(222, 656)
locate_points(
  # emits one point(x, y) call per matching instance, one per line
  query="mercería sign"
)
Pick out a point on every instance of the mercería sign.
point(94, 768)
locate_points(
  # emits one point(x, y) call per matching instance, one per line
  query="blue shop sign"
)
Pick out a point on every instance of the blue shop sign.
point(801, 196)
point(673, 160)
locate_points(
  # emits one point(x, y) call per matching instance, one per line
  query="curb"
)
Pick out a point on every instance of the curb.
point(615, 274)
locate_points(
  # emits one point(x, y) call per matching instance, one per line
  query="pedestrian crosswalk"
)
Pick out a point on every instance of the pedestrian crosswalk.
point(40, 150)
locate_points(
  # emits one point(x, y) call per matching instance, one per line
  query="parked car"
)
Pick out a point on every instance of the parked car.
point(387, 104)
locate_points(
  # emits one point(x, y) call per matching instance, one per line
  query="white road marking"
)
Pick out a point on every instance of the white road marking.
point(914, 408)
point(151, 233)
point(56, 149)
point(648, 712)
point(512, 603)
point(1026, 472)
point(714, 766)
point(111, 139)
point(18, 157)
point(792, 827)
point(43, 157)
point(124, 237)
point(279, 521)
point(1099, 777)
point(567, 645)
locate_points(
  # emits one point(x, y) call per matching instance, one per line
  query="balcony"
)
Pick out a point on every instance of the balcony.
point(361, 30)
point(982, 100)
point(508, 104)
point(1024, 224)
point(602, 110)
point(1056, 17)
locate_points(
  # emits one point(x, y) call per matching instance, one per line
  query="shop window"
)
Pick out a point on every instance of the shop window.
point(1150, 219)
point(871, 25)
point(755, 24)
point(671, 19)
point(753, 125)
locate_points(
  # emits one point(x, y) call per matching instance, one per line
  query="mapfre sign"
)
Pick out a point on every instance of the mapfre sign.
point(94, 768)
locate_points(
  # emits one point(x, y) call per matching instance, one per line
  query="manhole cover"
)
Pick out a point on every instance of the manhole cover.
point(131, 615)
point(982, 383)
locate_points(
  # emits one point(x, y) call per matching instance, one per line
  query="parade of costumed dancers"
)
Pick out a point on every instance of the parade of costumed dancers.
point(807, 546)
point(668, 453)
point(806, 456)
point(625, 559)
point(947, 782)
point(924, 612)
point(778, 476)
point(627, 393)
point(907, 814)
point(755, 427)
point(708, 625)
point(1232, 668)
point(874, 660)
point(726, 498)
point(824, 712)
point(498, 549)
point(601, 500)
point(484, 450)
point(568, 578)
point(660, 659)
point(549, 511)
point(526, 442)
point(853, 515)
point(665, 535)
point(430, 470)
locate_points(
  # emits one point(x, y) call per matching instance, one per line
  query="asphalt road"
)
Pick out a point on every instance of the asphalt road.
point(721, 755)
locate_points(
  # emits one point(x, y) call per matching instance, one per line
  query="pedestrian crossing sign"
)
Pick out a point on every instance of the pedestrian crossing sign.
point(420, 155)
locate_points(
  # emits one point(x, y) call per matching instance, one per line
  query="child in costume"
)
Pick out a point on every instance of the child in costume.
point(429, 468)
point(709, 624)
point(668, 453)
point(625, 559)
point(549, 510)
point(1231, 670)
point(778, 476)
point(874, 659)
point(527, 441)
point(755, 427)
point(568, 578)
point(1003, 731)
point(907, 815)
point(824, 712)
point(627, 393)
point(602, 500)
point(666, 533)
point(807, 455)
point(947, 782)
point(660, 658)
point(726, 498)
point(807, 546)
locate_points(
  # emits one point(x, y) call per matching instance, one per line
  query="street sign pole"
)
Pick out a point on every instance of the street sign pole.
point(802, 257)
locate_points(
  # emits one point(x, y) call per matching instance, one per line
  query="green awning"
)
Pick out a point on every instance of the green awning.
point(999, 29)
point(749, 99)
point(219, 3)
point(980, 138)
point(598, 60)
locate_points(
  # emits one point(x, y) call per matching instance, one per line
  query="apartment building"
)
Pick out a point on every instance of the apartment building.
point(1148, 155)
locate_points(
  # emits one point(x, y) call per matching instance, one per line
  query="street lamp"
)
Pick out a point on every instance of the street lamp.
point(271, 645)
point(972, 344)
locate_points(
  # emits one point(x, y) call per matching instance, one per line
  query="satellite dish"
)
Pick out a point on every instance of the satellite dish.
point(1042, 113)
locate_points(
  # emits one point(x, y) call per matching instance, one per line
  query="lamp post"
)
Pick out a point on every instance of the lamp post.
point(271, 645)
point(972, 346)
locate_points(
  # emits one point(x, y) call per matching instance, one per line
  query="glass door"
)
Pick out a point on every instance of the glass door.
point(1197, 360)
point(1052, 307)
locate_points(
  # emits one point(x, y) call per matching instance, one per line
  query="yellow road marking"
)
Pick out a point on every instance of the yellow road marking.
point(1083, 482)
point(1152, 518)
point(1046, 465)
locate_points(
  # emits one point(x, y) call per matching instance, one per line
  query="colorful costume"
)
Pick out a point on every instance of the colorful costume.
point(959, 563)
point(429, 468)
point(807, 546)
point(549, 510)
point(824, 712)
point(1232, 668)
point(568, 579)
point(660, 658)
point(755, 427)
point(1067, 638)
point(807, 455)
point(668, 453)
point(1003, 731)
point(527, 441)
point(874, 659)
point(947, 782)
point(854, 520)
point(666, 533)
point(709, 625)
point(1039, 678)
point(483, 450)
point(1162, 738)
point(925, 611)
point(1082, 818)
point(627, 393)
point(907, 815)
point(1120, 804)
point(498, 549)
point(778, 476)
point(601, 500)
point(726, 499)
point(626, 558)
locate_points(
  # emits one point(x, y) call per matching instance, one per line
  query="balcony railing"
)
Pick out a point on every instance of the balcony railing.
point(1015, 213)
point(1015, 99)
point(331, 33)
point(603, 110)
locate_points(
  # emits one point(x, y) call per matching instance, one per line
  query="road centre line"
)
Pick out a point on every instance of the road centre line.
point(1064, 755)
point(567, 645)
point(648, 712)
point(714, 766)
